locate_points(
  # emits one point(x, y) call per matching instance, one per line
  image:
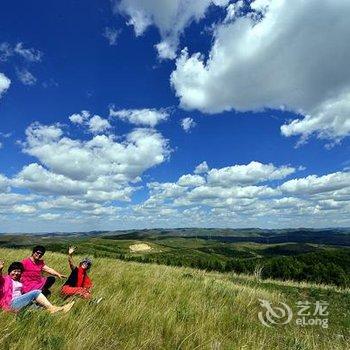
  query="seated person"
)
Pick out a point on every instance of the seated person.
point(32, 278)
point(78, 283)
point(12, 297)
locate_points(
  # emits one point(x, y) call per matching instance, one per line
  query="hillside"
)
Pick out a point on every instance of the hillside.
point(148, 306)
point(318, 256)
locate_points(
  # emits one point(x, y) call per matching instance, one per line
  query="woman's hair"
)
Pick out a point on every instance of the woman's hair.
point(39, 248)
point(87, 261)
point(16, 266)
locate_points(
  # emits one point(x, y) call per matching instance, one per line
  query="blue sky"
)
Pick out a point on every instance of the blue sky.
point(109, 107)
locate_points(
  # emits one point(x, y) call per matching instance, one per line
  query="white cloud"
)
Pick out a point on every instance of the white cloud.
point(98, 124)
point(201, 168)
point(66, 203)
point(331, 119)
point(226, 187)
point(214, 195)
point(233, 10)
point(95, 123)
point(28, 54)
point(190, 201)
point(252, 173)
point(77, 180)
point(25, 77)
point(145, 116)
point(38, 134)
point(9, 199)
point(191, 180)
point(5, 135)
point(4, 184)
point(311, 201)
point(123, 160)
point(111, 35)
point(4, 83)
point(187, 124)
point(24, 209)
point(38, 179)
point(102, 211)
point(292, 58)
point(79, 118)
point(49, 216)
point(171, 17)
point(317, 184)
point(5, 51)
point(166, 190)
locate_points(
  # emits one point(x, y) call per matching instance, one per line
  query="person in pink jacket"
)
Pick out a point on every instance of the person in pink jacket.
point(32, 277)
point(12, 297)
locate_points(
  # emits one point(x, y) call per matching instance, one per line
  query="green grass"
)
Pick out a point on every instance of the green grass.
point(298, 261)
point(149, 306)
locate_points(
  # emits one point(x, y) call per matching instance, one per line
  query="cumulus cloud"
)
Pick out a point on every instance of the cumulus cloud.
point(26, 77)
point(235, 198)
point(146, 116)
point(220, 187)
point(124, 160)
point(94, 123)
point(79, 118)
point(171, 17)
point(49, 216)
point(317, 184)
point(111, 35)
point(65, 203)
point(4, 184)
point(192, 200)
point(39, 179)
point(191, 180)
point(201, 168)
point(4, 83)
point(98, 124)
point(331, 119)
point(252, 173)
point(233, 10)
point(24, 209)
point(77, 179)
point(281, 54)
point(187, 124)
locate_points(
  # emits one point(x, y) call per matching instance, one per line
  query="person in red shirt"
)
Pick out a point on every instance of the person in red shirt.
point(34, 266)
point(78, 282)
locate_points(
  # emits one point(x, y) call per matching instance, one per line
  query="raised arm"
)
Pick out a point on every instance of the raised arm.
point(71, 250)
point(52, 272)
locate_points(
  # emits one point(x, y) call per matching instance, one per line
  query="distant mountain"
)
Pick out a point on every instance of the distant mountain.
point(193, 232)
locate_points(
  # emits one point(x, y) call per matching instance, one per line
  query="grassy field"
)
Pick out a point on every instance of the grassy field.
point(149, 306)
point(313, 256)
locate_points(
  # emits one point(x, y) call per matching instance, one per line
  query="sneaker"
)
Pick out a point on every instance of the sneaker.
point(95, 301)
point(68, 306)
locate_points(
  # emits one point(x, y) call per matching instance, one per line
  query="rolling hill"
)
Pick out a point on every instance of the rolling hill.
point(148, 306)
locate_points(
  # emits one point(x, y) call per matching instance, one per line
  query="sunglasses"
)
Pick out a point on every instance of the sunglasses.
point(39, 253)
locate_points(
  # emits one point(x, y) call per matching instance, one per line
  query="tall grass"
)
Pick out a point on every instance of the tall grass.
point(160, 307)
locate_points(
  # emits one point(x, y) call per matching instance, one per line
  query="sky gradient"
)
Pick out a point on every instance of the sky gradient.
point(174, 113)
